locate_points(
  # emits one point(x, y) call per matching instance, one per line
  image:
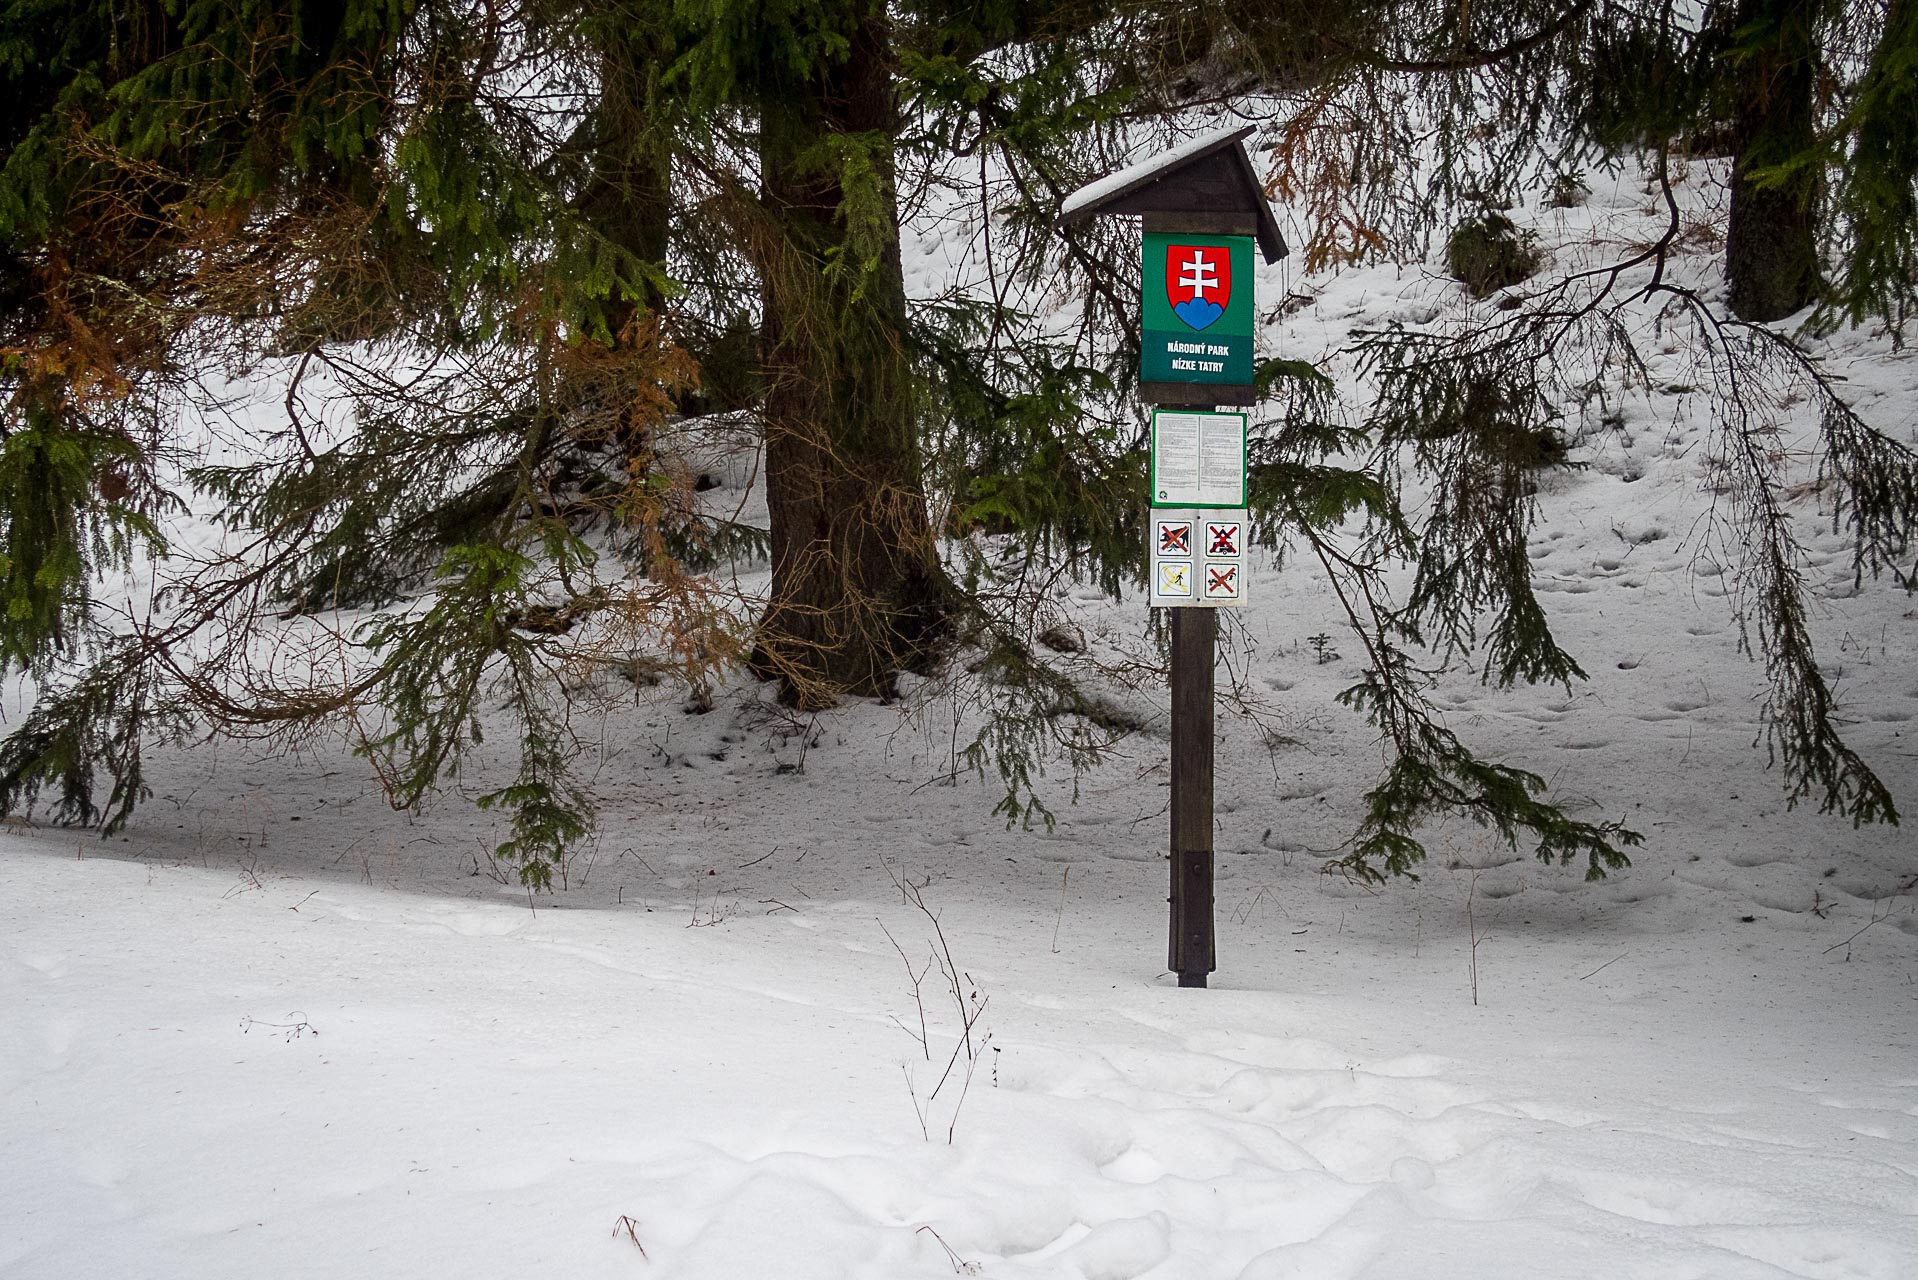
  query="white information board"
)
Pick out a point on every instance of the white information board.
point(1196, 557)
point(1198, 459)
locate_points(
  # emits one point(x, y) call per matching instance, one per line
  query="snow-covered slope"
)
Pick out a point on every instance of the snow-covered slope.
point(281, 1030)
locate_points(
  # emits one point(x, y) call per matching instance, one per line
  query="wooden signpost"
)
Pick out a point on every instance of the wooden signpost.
point(1203, 213)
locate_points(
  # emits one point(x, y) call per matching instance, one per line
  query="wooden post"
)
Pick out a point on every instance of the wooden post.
point(1192, 952)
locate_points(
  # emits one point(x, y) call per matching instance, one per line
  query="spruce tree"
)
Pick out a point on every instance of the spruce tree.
point(858, 591)
point(1771, 242)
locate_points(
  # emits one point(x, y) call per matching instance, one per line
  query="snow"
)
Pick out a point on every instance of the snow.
point(278, 1029)
point(1093, 192)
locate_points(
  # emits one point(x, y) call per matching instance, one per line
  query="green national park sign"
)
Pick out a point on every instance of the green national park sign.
point(1197, 307)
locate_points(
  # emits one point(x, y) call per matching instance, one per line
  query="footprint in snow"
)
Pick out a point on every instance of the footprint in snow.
point(1670, 1202)
point(1134, 852)
point(60, 1035)
point(51, 966)
point(1122, 1249)
point(1632, 891)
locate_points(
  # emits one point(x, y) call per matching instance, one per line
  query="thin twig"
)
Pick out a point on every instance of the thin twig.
point(1608, 964)
point(630, 1229)
point(1061, 918)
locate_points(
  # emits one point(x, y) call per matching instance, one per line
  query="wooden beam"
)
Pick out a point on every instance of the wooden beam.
point(1203, 224)
point(1169, 395)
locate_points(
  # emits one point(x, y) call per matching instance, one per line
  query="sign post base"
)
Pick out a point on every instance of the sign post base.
point(1192, 952)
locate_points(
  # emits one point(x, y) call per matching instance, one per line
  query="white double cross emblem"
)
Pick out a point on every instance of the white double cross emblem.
point(1199, 276)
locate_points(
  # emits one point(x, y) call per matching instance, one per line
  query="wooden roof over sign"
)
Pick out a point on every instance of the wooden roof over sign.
point(1209, 174)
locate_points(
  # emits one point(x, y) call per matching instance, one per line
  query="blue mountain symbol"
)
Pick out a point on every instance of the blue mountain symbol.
point(1197, 312)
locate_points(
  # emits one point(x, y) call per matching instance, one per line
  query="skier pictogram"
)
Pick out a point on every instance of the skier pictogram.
point(1222, 539)
point(1175, 539)
point(1222, 582)
point(1198, 282)
point(1175, 579)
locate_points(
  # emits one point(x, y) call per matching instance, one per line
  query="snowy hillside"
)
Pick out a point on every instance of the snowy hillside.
point(280, 1030)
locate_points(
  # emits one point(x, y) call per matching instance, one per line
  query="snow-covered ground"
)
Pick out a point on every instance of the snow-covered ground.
point(280, 1030)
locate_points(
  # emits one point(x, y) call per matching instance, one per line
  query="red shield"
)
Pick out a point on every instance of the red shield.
point(1198, 282)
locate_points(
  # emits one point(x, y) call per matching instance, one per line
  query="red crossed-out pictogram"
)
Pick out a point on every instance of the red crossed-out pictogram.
point(1222, 539)
point(1222, 581)
point(1175, 539)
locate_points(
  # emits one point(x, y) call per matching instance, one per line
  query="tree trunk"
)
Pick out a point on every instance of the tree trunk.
point(858, 592)
point(1771, 249)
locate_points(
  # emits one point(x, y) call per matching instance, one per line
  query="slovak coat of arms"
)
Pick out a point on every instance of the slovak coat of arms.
point(1198, 282)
